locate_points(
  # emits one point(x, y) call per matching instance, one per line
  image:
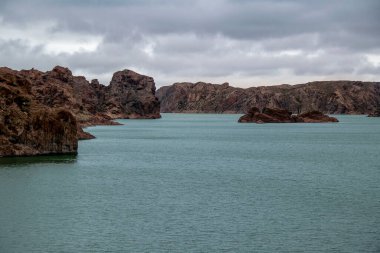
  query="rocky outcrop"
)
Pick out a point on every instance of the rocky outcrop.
point(32, 100)
point(331, 97)
point(131, 95)
point(314, 117)
point(29, 128)
point(375, 113)
point(270, 115)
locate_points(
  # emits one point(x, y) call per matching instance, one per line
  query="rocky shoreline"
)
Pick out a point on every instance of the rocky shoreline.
point(375, 113)
point(45, 112)
point(331, 97)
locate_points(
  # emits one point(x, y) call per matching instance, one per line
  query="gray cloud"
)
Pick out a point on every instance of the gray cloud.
point(244, 42)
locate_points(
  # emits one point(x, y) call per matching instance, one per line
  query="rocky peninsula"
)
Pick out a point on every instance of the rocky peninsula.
point(44, 112)
point(273, 115)
point(331, 97)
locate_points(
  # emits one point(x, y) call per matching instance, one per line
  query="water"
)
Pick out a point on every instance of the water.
point(200, 183)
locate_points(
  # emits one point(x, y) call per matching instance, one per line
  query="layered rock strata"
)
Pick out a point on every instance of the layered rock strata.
point(331, 97)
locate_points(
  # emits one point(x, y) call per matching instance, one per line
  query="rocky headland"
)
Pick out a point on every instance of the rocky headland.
point(45, 112)
point(331, 97)
point(273, 115)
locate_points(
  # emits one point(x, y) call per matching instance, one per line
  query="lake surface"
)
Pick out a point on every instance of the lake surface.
point(200, 183)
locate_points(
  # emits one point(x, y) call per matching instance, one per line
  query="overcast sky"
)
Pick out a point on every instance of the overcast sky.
point(243, 42)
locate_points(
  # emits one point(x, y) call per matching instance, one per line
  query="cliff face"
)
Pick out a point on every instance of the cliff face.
point(29, 128)
point(44, 112)
point(131, 95)
point(333, 97)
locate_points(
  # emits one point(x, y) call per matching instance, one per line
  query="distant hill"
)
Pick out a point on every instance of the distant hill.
point(332, 97)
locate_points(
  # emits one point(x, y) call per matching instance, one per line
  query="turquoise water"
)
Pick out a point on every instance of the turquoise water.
point(200, 183)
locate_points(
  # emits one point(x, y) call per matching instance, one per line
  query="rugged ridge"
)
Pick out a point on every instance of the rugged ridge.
point(32, 100)
point(332, 97)
point(129, 95)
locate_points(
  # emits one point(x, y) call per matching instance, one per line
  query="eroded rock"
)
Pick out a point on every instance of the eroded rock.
point(273, 115)
point(35, 108)
point(29, 128)
point(331, 97)
point(375, 113)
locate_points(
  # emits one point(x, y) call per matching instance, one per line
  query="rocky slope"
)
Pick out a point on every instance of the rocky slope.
point(333, 97)
point(39, 99)
point(274, 115)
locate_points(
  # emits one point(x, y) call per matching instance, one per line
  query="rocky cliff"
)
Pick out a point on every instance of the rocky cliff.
point(44, 112)
point(131, 95)
point(333, 97)
point(28, 127)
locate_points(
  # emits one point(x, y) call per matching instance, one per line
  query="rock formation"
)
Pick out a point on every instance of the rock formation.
point(332, 97)
point(314, 117)
point(131, 95)
point(375, 113)
point(31, 100)
point(271, 115)
point(268, 115)
point(28, 127)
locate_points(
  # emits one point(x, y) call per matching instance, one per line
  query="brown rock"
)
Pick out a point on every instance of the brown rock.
point(131, 95)
point(270, 115)
point(315, 117)
point(82, 135)
point(331, 97)
point(28, 128)
point(31, 101)
point(375, 113)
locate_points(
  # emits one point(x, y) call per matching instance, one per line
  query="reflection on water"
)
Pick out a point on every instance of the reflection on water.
point(53, 159)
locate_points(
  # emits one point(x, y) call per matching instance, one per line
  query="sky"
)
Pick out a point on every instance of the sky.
point(243, 42)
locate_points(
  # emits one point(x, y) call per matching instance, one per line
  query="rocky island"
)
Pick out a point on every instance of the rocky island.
point(44, 112)
point(272, 115)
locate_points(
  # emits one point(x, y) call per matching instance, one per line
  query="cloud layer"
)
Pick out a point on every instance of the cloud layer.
point(244, 42)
